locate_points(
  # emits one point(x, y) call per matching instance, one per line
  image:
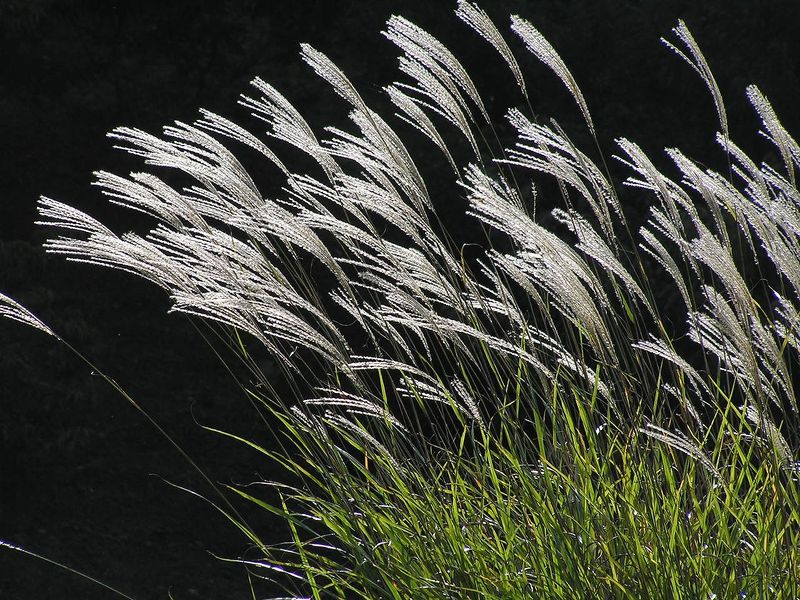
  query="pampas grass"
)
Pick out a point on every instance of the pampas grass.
point(515, 421)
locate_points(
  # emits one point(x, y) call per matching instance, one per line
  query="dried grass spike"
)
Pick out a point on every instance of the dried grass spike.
point(700, 65)
point(542, 49)
point(479, 21)
point(11, 309)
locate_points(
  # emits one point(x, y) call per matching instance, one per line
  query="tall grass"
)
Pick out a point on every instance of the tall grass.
point(507, 417)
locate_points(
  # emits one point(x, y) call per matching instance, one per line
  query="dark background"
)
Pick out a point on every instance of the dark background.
point(82, 474)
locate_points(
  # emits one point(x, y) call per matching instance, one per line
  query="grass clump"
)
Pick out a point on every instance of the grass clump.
point(510, 416)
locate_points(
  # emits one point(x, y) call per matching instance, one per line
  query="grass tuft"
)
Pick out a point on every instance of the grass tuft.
point(513, 416)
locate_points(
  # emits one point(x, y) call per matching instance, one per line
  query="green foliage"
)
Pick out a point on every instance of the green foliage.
point(612, 513)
